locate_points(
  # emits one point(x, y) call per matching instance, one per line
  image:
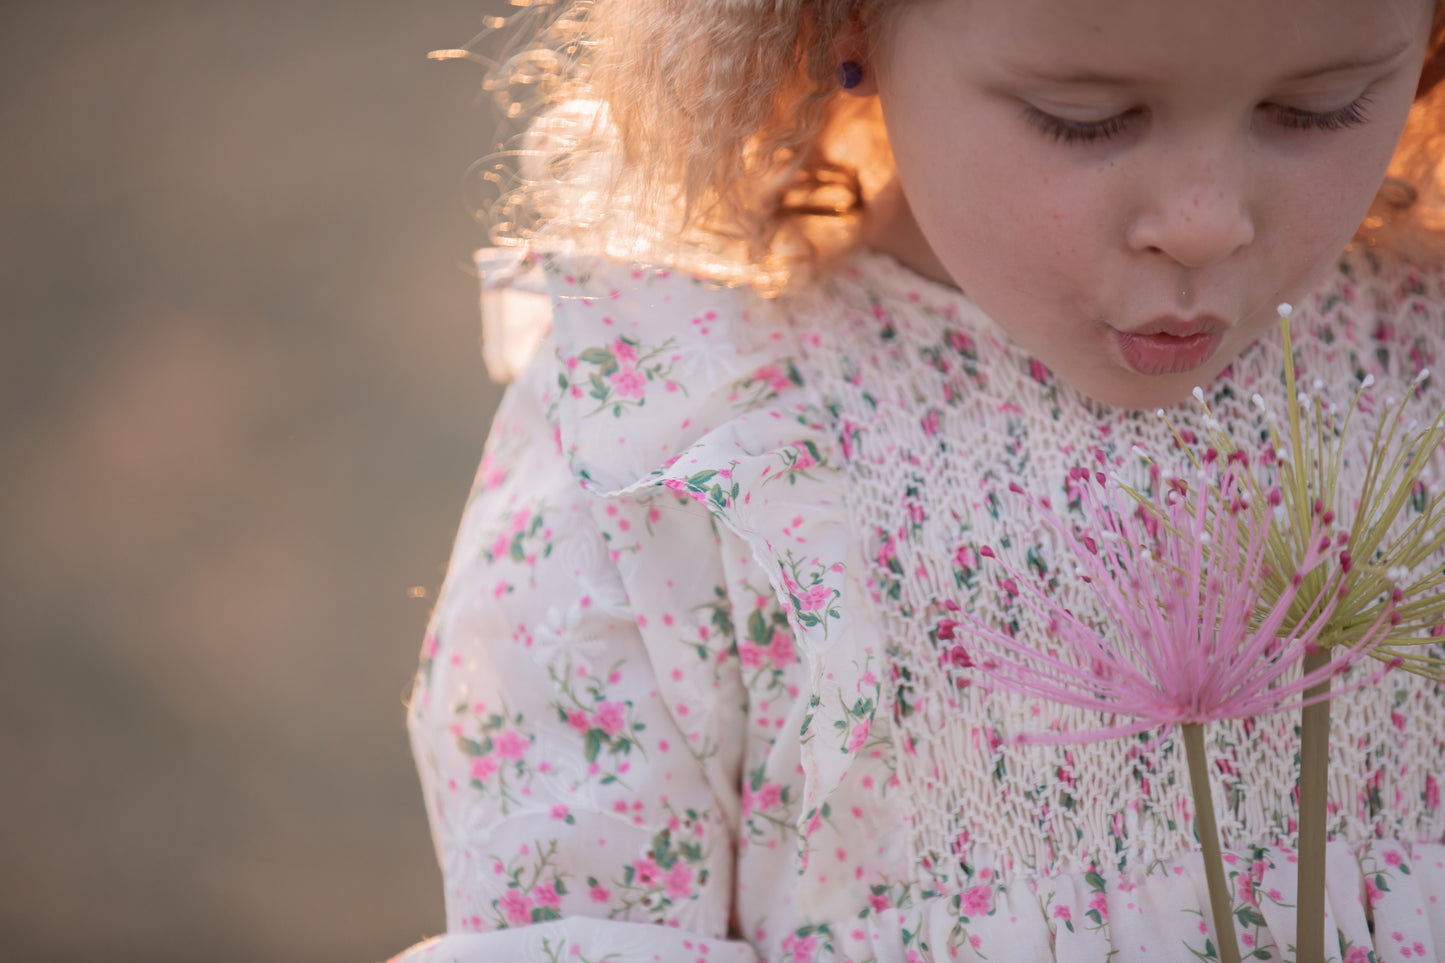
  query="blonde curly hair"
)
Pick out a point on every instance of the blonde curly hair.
point(719, 142)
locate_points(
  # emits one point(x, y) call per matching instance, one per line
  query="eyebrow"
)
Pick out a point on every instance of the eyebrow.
point(1097, 78)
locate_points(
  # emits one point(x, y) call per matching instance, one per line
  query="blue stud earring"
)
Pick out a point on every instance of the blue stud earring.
point(850, 74)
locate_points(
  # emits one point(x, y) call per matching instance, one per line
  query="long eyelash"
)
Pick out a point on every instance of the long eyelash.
point(1074, 131)
point(1351, 115)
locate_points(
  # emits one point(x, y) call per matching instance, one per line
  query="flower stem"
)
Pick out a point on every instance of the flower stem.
point(1220, 897)
point(1313, 798)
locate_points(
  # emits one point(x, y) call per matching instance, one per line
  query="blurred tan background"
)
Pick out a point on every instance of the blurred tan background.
point(241, 401)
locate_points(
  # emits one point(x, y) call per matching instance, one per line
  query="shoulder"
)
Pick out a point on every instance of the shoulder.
point(646, 363)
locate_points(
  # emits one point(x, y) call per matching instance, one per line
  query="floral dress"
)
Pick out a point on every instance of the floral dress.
point(683, 697)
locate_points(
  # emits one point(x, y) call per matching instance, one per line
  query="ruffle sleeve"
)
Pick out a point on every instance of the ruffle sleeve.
point(580, 718)
point(671, 383)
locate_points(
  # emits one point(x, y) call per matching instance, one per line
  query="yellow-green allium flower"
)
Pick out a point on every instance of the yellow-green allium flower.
point(1389, 532)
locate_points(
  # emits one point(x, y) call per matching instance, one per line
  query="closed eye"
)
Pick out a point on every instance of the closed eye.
point(1352, 114)
point(1068, 131)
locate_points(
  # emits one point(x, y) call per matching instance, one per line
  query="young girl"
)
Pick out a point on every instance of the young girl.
point(683, 697)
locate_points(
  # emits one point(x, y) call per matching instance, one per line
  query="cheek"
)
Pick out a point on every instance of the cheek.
point(1331, 195)
point(1318, 210)
point(1046, 243)
point(979, 185)
point(1001, 208)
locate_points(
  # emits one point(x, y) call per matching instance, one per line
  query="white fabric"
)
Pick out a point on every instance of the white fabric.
point(719, 529)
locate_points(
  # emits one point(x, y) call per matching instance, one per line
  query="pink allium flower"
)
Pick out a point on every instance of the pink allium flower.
point(1180, 640)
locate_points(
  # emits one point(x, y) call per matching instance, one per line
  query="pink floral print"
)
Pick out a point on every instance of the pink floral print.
point(659, 716)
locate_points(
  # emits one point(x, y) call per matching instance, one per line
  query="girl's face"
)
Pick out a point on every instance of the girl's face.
point(1130, 187)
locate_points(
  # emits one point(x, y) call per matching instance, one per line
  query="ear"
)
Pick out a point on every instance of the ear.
point(852, 47)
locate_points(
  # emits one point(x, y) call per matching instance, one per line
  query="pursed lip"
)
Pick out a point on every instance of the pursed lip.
point(1171, 345)
point(1176, 327)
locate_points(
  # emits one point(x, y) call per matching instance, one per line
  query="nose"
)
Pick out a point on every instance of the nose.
point(1197, 214)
